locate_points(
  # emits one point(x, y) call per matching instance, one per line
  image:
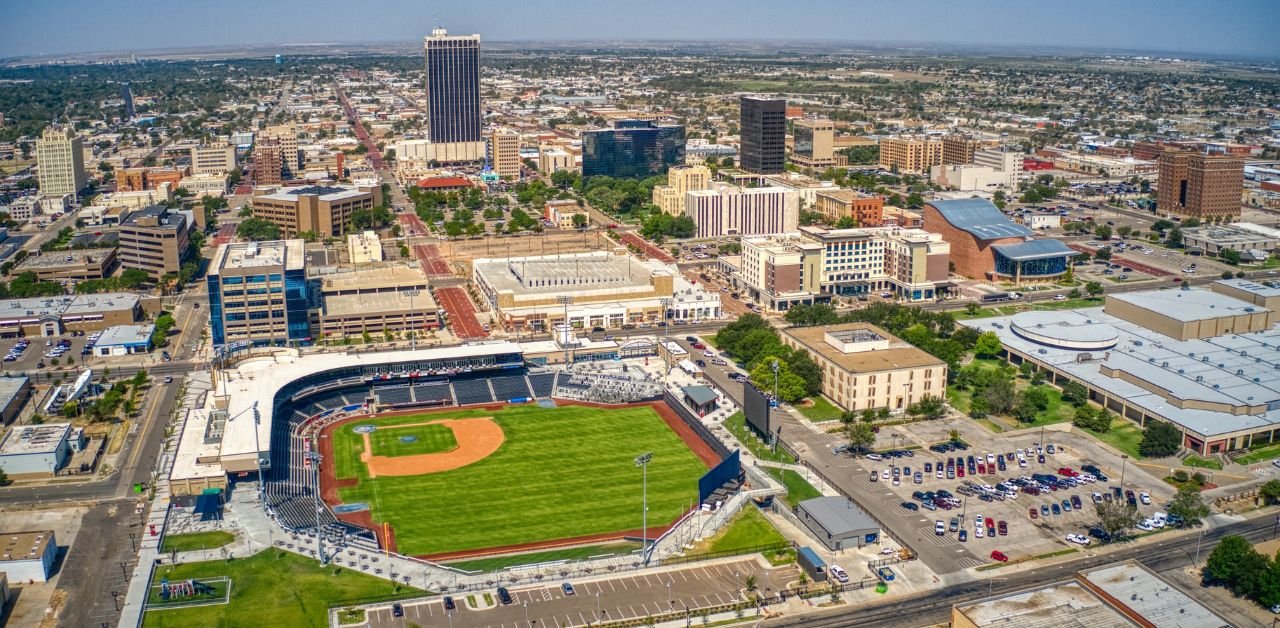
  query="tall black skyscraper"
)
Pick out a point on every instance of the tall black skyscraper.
point(453, 87)
point(126, 94)
point(764, 133)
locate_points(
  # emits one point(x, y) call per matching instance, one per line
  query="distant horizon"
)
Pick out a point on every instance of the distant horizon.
point(1227, 28)
point(262, 49)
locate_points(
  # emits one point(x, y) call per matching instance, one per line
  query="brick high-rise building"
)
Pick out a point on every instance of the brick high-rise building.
point(913, 155)
point(959, 149)
point(266, 161)
point(1198, 184)
point(504, 153)
point(763, 147)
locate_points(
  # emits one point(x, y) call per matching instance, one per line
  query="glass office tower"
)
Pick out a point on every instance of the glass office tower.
point(453, 87)
point(632, 149)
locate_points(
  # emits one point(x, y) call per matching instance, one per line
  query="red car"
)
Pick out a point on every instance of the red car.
point(982, 468)
point(960, 472)
point(991, 527)
point(999, 555)
point(1033, 512)
point(1067, 472)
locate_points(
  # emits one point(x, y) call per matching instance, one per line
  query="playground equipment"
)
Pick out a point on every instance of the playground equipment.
point(183, 589)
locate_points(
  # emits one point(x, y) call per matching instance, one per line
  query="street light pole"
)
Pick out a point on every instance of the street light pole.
point(565, 300)
point(1200, 538)
point(642, 461)
point(665, 303)
point(1124, 461)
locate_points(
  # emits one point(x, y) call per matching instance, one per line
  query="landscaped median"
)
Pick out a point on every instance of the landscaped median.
point(192, 541)
point(997, 565)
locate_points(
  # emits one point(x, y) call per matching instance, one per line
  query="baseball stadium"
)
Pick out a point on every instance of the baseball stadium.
point(446, 454)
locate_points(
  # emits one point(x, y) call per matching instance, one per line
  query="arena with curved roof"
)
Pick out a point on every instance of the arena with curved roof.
point(986, 244)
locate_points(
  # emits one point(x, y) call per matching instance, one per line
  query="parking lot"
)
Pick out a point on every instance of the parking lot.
point(624, 597)
point(1028, 534)
point(41, 350)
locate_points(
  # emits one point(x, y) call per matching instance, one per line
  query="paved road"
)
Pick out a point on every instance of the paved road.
point(628, 596)
point(935, 608)
point(93, 567)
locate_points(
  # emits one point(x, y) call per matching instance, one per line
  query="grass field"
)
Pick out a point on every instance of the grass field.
point(748, 529)
point(1203, 463)
point(1124, 436)
point(568, 553)
point(425, 439)
point(1260, 454)
point(561, 473)
point(798, 488)
point(737, 424)
point(820, 410)
point(196, 541)
point(273, 589)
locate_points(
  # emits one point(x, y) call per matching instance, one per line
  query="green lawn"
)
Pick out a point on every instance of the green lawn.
point(561, 473)
point(1013, 307)
point(196, 541)
point(423, 439)
point(217, 595)
point(570, 553)
point(737, 424)
point(1055, 412)
point(1124, 436)
point(1203, 463)
point(1260, 454)
point(748, 529)
point(821, 410)
point(273, 588)
point(798, 489)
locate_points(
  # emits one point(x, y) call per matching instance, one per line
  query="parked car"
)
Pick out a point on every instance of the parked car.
point(910, 506)
point(1079, 539)
point(504, 596)
point(397, 610)
point(1000, 556)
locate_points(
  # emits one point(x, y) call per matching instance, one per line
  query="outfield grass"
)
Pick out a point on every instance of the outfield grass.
point(429, 439)
point(561, 473)
point(196, 541)
point(273, 588)
point(1124, 436)
point(1260, 454)
point(570, 553)
point(821, 410)
point(737, 424)
point(798, 489)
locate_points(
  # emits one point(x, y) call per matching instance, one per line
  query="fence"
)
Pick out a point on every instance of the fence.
point(695, 423)
point(739, 551)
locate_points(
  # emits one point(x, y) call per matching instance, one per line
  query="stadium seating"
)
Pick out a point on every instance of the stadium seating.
point(511, 387)
point(542, 384)
point(393, 395)
point(471, 391)
point(433, 393)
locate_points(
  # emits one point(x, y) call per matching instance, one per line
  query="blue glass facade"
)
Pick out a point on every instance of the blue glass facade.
point(633, 149)
point(1032, 268)
point(252, 307)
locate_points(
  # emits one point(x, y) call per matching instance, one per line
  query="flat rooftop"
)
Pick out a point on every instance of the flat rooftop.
point(1252, 287)
point(16, 546)
point(325, 192)
point(244, 255)
point(57, 259)
point(1063, 605)
point(126, 335)
point(34, 308)
point(34, 439)
point(9, 386)
point(1234, 369)
point(1150, 596)
point(373, 303)
point(380, 277)
point(899, 355)
point(1187, 305)
point(567, 274)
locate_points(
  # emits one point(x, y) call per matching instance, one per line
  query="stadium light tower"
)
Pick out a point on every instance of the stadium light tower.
point(314, 457)
point(642, 461)
point(565, 300)
point(665, 303)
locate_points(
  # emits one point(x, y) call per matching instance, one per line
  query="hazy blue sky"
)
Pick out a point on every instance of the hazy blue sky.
point(1245, 27)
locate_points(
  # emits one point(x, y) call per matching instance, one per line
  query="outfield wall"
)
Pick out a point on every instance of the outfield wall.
point(687, 415)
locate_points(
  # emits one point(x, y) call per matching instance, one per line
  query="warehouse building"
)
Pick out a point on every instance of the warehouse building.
point(124, 340)
point(28, 556)
point(14, 393)
point(1204, 361)
point(39, 449)
point(838, 523)
point(54, 316)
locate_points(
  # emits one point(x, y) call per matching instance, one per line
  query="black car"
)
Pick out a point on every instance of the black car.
point(504, 596)
point(397, 610)
point(449, 604)
point(910, 506)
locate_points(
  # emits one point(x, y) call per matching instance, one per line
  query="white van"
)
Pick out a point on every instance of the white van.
point(839, 574)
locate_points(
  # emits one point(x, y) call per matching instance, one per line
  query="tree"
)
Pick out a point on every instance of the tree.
point(1174, 238)
point(1188, 506)
point(1228, 559)
point(988, 345)
point(1094, 289)
point(1114, 517)
point(791, 387)
point(1091, 418)
point(1024, 409)
point(580, 221)
point(861, 435)
point(1103, 232)
point(1270, 492)
point(999, 396)
point(1075, 393)
point(931, 407)
point(1160, 439)
point(258, 229)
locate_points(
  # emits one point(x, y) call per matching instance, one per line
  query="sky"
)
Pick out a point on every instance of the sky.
point(1228, 27)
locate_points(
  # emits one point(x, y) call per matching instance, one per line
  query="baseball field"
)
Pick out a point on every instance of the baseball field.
point(456, 481)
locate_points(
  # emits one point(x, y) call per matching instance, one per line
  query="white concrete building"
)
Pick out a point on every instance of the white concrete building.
point(732, 210)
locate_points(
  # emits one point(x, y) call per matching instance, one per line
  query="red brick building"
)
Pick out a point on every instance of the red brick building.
point(987, 245)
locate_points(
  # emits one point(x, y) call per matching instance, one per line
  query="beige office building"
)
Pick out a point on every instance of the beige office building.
point(554, 159)
point(324, 210)
point(813, 143)
point(155, 240)
point(959, 149)
point(215, 159)
point(364, 247)
point(865, 367)
point(504, 153)
point(680, 179)
point(911, 155)
point(388, 298)
point(287, 136)
point(60, 159)
point(780, 271)
point(73, 265)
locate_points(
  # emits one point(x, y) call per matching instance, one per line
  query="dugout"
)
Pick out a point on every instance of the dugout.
point(837, 522)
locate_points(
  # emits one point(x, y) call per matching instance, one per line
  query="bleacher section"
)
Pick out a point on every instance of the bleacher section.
point(542, 384)
point(509, 388)
point(606, 388)
point(434, 393)
point(472, 391)
point(393, 395)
